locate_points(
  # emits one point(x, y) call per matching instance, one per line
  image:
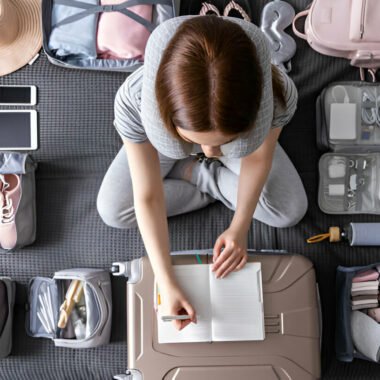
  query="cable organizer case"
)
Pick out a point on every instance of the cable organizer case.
point(7, 302)
point(344, 344)
point(291, 349)
point(42, 315)
point(348, 127)
point(74, 15)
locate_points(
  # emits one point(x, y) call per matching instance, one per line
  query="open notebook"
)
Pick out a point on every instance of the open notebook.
point(228, 309)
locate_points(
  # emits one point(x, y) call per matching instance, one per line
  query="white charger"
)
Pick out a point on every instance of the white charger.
point(343, 121)
point(342, 115)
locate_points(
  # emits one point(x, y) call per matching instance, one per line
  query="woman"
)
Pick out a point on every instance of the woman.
point(206, 87)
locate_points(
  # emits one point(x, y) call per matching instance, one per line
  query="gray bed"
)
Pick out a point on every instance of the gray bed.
point(77, 144)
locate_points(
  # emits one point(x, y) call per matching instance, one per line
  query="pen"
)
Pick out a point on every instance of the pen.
point(169, 318)
point(158, 296)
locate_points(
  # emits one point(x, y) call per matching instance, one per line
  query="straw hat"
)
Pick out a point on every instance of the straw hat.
point(20, 33)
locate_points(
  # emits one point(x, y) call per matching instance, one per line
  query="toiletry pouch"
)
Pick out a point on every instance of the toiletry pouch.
point(348, 128)
point(7, 301)
point(89, 322)
point(18, 200)
point(76, 36)
point(349, 183)
point(347, 345)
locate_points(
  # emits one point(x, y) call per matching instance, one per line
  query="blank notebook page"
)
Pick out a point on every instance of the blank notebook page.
point(237, 307)
point(194, 281)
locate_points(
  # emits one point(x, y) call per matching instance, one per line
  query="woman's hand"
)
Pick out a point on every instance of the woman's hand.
point(234, 256)
point(174, 302)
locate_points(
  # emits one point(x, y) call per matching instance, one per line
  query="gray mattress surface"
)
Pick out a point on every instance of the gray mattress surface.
point(77, 144)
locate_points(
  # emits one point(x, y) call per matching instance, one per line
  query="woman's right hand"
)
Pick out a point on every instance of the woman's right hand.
point(174, 302)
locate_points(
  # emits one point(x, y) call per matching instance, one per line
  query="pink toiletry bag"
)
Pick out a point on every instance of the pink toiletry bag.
point(343, 28)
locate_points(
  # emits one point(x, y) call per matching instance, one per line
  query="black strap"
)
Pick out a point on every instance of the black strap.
point(90, 9)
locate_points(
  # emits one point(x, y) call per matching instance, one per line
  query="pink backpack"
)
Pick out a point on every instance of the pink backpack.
point(343, 28)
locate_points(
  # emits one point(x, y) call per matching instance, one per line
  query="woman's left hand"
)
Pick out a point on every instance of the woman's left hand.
point(234, 256)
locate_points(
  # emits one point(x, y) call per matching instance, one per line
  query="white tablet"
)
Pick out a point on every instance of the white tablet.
point(18, 130)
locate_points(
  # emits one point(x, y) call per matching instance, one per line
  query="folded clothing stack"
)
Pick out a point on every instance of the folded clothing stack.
point(365, 317)
point(365, 290)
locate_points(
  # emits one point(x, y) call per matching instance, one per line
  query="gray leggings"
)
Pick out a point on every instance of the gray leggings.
point(282, 203)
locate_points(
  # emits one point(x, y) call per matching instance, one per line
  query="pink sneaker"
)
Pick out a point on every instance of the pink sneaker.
point(10, 195)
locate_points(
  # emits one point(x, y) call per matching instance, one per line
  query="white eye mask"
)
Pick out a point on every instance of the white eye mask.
point(275, 18)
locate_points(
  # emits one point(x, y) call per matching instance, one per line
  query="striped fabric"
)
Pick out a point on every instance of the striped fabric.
point(137, 117)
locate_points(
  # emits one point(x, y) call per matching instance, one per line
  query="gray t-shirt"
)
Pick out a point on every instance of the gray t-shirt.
point(136, 112)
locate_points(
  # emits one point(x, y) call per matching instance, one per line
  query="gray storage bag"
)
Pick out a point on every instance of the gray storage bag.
point(7, 301)
point(17, 201)
point(348, 128)
point(79, 12)
point(94, 311)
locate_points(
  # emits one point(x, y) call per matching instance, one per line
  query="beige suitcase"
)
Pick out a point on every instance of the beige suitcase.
point(291, 349)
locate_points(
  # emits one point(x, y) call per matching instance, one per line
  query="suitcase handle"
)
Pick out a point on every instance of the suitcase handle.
point(131, 374)
point(129, 269)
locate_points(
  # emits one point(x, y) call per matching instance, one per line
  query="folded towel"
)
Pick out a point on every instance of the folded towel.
point(368, 275)
point(121, 37)
point(364, 284)
point(364, 306)
point(366, 335)
point(76, 38)
point(364, 292)
point(364, 302)
point(368, 289)
point(369, 297)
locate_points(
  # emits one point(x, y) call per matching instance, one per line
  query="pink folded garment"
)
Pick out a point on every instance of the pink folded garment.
point(119, 36)
point(368, 275)
point(364, 284)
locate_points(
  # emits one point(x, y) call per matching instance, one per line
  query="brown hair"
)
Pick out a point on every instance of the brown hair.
point(210, 79)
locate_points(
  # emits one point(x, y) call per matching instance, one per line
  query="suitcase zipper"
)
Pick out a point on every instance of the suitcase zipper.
point(101, 284)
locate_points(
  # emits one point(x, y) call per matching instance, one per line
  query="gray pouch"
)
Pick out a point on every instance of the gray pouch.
point(18, 200)
point(7, 301)
point(348, 127)
point(46, 296)
point(349, 183)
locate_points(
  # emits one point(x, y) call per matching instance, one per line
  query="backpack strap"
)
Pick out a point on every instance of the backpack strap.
point(298, 16)
point(372, 74)
point(90, 9)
